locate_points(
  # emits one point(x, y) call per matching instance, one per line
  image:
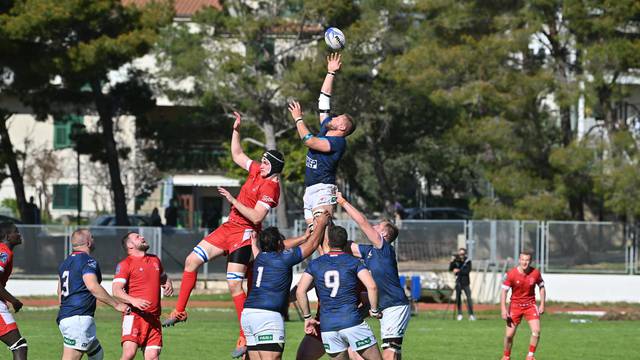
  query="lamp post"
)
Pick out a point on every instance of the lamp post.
point(77, 129)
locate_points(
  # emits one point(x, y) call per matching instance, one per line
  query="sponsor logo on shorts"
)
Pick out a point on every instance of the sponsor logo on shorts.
point(363, 342)
point(68, 341)
point(326, 346)
point(265, 337)
point(334, 199)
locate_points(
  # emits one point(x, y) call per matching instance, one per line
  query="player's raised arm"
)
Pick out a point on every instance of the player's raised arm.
point(373, 236)
point(308, 139)
point(372, 291)
point(312, 243)
point(238, 156)
point(334, 61)
point(255, 215)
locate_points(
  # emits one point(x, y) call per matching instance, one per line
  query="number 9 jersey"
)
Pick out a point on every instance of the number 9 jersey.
point(336, 280)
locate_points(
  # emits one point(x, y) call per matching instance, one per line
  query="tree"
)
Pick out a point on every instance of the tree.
point(86, 40)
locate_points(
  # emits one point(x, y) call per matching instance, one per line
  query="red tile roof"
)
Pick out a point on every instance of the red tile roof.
point(184, 8)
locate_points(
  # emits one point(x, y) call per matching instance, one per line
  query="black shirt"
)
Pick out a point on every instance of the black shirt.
point(464, 264)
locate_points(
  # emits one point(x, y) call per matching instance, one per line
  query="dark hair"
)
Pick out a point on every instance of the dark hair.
point(463, 249)
point(270, 240)
point(125, 239)
point(391, 229)
point(338, 237)
point(352, 125)
point(6, 228)
point(527, 252)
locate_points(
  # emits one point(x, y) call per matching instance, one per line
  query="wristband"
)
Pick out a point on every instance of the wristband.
point(307, 316)
point(332, 73)
point(307, 137)
point(374, 311)
point(298, 119)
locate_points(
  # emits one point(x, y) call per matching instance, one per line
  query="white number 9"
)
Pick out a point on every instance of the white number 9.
point(332, 281)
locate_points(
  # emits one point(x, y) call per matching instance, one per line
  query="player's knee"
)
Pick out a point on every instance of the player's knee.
point(95, 352)
point(19, 344)
point(392, 344)
point(535, 333)
point(197, 257)
point(234, 281)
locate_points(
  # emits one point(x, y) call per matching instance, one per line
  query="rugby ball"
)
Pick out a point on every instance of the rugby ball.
point(334, 38)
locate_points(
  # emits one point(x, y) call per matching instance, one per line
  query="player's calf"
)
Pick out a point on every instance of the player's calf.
point(392, 348)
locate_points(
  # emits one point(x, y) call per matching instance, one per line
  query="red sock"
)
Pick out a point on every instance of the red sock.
point(188, 283)
point(507, 352)
point(532, 348)
point(238, 301)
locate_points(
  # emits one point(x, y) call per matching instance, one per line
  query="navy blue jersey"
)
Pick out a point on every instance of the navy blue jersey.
point(272, 276)
point(76, 299)
point(384, 268)
point(336, 279)
point(322, 166)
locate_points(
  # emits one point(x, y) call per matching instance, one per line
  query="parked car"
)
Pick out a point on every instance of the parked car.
point(110, 220)
point(437, 213)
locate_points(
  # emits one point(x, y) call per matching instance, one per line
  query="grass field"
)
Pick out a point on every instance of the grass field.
point(211, 334)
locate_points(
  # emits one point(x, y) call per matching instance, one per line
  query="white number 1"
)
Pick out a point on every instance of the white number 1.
point(332, 280)
point(259, 278)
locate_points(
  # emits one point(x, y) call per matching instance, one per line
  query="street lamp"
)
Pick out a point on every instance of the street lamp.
point(77, 129)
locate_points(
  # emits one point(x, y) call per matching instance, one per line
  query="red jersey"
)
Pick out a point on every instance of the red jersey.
point(6, 263)
point(141, 276)
point(523, 286)
point(256, 190)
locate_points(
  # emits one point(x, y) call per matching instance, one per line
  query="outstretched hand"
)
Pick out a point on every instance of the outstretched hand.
point(296, 110)
point(236, 124)
point(227, 195)
point(334, 61)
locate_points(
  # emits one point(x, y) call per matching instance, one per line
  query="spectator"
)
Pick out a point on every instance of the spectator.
point(171, 214)
point(155, 218)
point(461, 267)
point(32, 212)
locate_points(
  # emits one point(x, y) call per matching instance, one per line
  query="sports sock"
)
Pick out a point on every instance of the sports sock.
point(238, 301)
point(188, 283)
point(532, 350)
point(507, 352)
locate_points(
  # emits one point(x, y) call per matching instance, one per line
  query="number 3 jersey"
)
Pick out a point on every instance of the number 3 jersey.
point(272, 276)
point(336, 279)
point(75, 298)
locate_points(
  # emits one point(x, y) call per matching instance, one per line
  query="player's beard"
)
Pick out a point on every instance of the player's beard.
point(143, 247)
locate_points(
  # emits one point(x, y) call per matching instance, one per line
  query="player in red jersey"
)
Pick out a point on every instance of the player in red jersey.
point(9, 334)
point(259, 194)
point(522, 281)
point(137, 282)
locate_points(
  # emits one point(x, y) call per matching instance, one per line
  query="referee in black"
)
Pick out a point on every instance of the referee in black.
point(461, 267)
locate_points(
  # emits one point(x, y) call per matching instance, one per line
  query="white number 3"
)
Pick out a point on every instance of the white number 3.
point(332, 281)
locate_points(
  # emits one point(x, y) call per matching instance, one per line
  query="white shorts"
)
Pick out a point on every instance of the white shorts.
point(78, 332)
point(394, 322)
point(262, 327)
point(357, 337)
point(318, 195)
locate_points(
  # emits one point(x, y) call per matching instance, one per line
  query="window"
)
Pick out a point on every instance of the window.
point(66, 196)
point(62, 130)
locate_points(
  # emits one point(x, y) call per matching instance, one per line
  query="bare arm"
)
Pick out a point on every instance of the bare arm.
point(91, 282)
point(166, 284)
point(255, 215)
point(255, 249)
point(6, 296)
point(314, 240)
point(361, 220)
point(308, 139)
point(543, 299)
point(237, 154)
point(59, 291)
point(355, 249)
point(333, 65)
point(118, 292)
point(303, 300)
point(503, 303)
point(372, 289)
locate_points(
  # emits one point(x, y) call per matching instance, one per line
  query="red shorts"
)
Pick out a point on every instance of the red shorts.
point(230, 237)
point(144, 331)
point(529, 311)
point(7, 323)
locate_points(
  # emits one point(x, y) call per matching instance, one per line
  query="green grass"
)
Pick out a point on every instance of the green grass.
point(211, 334)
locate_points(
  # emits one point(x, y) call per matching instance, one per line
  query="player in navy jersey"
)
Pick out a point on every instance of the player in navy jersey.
point(380, 258)
point(326, 148)
point(78, 288)
point(268, 301)
point(335, 276)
